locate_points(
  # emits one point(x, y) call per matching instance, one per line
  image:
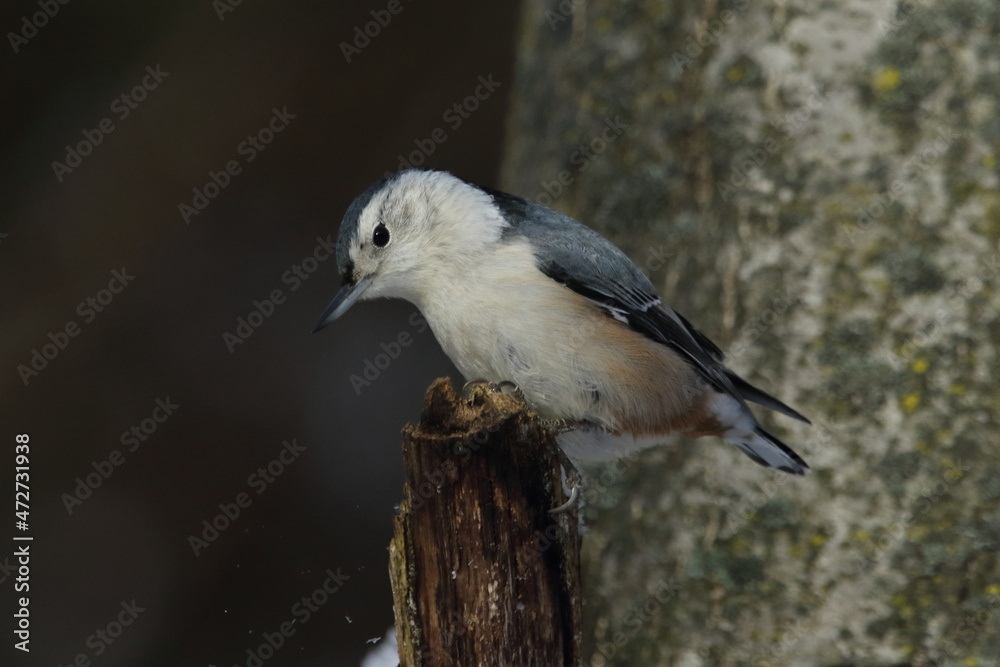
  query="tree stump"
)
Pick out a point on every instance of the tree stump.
point(481, 573)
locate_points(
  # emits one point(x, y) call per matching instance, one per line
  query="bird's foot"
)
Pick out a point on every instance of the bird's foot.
point(559, 426)
point(503, 387)
point(574, 498)
point(572, 483)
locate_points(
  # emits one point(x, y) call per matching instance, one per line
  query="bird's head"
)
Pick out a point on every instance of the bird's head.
point(410, 233)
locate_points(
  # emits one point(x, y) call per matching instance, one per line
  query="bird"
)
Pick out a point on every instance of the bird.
point(516, 292)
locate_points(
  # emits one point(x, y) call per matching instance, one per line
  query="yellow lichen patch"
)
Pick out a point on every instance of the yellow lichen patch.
point(956, 389)
point(971, 661)
point(910, 402)
point(989, 161)
point(739, 545)
point(919, 366)
point(922, 447)
point(899, 602)
point(952, 472)
point(942, 527)
point(885, 80)
point(817, 540)
point(735, 74)
point(861, 535)
point(942, 435)
point(993, 589)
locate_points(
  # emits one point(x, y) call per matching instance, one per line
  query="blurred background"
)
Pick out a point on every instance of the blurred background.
point(310, 109)
point(814, 185)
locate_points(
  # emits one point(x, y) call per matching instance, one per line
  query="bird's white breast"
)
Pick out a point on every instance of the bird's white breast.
point(506, 320)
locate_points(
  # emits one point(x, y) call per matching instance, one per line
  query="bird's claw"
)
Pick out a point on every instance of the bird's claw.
point(473, 383)
point(559, 426)
point(572, 483)
point(495, 387)
point(572, 480)
point(574, 498)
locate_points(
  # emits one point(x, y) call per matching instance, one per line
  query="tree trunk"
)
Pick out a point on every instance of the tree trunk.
point(481, 573)
point(814, 186)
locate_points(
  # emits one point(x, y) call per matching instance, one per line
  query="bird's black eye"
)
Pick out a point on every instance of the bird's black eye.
point(380, 236)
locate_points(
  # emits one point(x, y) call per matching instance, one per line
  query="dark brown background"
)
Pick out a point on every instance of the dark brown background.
point(162, 335)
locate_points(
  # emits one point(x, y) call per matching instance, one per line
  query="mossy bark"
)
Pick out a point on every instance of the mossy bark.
point(814, 185)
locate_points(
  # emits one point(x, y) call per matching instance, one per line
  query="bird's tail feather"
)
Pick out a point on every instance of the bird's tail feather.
point(748, 392)
point(768, 451)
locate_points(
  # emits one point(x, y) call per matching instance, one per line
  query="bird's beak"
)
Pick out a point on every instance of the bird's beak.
point(345, 298)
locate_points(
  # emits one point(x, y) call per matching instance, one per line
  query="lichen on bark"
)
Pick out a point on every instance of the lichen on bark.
point(814, 185)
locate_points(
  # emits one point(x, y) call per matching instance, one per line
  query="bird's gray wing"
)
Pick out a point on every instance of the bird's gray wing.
point(584, 261)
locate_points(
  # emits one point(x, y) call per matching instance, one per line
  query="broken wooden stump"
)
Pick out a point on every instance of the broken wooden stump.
point(481, 573)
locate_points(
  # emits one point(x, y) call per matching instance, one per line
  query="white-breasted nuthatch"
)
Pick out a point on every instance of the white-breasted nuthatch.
point(518, 292)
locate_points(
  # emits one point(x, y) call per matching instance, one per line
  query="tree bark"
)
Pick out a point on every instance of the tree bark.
point(481, 573)
point(814, 186)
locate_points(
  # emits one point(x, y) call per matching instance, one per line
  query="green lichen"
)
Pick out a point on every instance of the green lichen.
point(897, 468)
point(908, 448)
